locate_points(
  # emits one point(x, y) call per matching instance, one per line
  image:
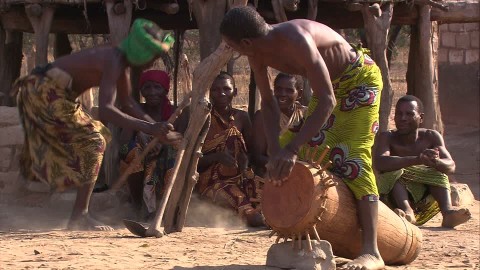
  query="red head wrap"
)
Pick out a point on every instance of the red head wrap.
point(163, 79)
point(157, 76)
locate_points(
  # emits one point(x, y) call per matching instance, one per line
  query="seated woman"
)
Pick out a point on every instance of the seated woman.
point(147, 179)
point(288, 90)
point(225, 177)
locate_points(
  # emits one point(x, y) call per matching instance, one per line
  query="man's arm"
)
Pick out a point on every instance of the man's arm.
point(270, 109)
point(444, 163)
point(259, 150)
point(127, 103)
point(384, 162)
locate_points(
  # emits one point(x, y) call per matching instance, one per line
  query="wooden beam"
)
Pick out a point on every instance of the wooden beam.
point(70, 19)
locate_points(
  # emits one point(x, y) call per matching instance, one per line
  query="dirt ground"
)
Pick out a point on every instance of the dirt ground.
point(32, 237)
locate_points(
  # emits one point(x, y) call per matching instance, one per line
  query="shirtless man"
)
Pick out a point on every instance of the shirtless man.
point(423, 161)
point(64, 146)
point(335, 70)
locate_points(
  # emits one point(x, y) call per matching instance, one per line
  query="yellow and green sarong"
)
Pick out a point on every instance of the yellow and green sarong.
point(416, 180)
point(350, 130)
point(63, 145)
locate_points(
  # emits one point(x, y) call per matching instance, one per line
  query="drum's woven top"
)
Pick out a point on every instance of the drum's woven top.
point(287, 205)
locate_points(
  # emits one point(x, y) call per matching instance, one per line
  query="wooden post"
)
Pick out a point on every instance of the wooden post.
point(203, 77)
point(40, 17)
point(11, 57)
point(377, 34)
point(209, 15)
point(424, 75)
point(119, 20)
point(421, 73)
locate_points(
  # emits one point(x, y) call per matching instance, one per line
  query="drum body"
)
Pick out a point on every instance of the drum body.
point(309, 199)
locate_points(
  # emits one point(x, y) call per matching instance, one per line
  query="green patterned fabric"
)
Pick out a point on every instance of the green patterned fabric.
point(416, 180)
point(141, 46)
point(350, 130)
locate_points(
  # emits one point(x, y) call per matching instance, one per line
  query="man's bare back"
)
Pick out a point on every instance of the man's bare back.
point(284, 38)
point(87, 66)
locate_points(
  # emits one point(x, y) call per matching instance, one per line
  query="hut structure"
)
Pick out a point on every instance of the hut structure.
point(114, 17)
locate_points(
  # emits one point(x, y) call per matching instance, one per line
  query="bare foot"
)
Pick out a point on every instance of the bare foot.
point(410, 217)
point(455, 217)
point(365, 262)
point(87, 223)
point(399, 212)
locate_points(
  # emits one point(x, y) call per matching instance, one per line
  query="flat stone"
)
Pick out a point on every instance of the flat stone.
point(455, 56)
point(11, 135)
point(9, 116)
point(471, 56)
point(10, 182)
point(5, 158)
point(283, 256)
point(461, 194)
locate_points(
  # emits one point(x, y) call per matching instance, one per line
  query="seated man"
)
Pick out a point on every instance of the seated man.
point(224, 174)
point(147, 178)
point(63, 145)
point(287, 90)
point(413, 162)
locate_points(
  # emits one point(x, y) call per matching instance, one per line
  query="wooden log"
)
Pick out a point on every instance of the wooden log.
point(203, 77)
point(11, 55)
point(41, 19)
point(421, 71)
point(209, 15)
point(192, 180)
point(377, 34)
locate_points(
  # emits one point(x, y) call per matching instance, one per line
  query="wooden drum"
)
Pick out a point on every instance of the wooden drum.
point(314, 204)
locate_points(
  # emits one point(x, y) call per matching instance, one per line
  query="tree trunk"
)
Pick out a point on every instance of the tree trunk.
point(424, 84)
point(11, 55)
point(422, 80)
point(178, 48)
point(41, 19)
point(377, 33)
point(209, 16)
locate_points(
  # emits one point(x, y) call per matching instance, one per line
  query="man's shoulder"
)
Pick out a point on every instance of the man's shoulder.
point(428, 132)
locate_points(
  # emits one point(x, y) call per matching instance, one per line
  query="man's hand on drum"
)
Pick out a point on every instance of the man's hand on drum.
point(280, 166)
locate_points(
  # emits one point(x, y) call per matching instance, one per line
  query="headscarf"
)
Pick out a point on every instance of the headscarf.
point(162, 78)
point(140, 46)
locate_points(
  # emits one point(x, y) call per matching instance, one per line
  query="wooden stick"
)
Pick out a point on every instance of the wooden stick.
point(293, 240)
point(278, 239)
point(309, 243)
point(121, 180)
point(314, 229)
point(323, 154)
point(272, 234)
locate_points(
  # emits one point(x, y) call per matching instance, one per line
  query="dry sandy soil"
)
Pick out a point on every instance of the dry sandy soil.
point(32, 237)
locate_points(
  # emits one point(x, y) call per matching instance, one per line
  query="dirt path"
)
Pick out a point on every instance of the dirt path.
point(24, 246)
